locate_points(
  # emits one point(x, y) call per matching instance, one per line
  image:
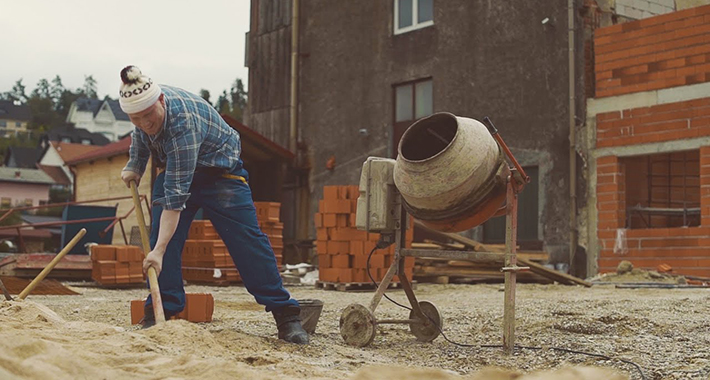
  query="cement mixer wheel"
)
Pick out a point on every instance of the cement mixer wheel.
point(357, 325)
point(431, 327)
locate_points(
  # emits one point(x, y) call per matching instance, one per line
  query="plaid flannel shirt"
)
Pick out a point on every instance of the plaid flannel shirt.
point(194, 135)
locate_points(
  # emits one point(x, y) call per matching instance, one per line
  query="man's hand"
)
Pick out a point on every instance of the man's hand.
point(127, 176)
point(155, 260)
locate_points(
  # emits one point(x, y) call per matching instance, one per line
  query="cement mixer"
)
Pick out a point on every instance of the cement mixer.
point(451, 174)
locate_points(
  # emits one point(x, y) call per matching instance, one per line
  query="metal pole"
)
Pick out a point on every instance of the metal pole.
point(572, 139)
point(511, 232)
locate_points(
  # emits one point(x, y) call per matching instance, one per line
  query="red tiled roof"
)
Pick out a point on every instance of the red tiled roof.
point(57, 174)
point(110, 150)
point(69, 151)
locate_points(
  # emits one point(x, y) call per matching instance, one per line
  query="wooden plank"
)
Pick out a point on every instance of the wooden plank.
point(553, 274)
point(537, 268)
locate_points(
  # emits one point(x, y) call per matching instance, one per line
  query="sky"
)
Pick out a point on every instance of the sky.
point(189, 44)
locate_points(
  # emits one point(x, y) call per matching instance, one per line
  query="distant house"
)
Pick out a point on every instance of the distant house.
point(100, 116)
point(98, 175)
point(54, 156)
point(23, 187)
point(21, 157)
point(71, 134)
point(13, 118)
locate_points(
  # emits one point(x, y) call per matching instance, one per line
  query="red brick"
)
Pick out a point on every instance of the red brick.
point(322, 247)
point(324, 261)
point(199, 307)
point(341, 261)
point(318, 220)
point(357, 247)
point(322, 234)
point(103, 253)
point(347, 234)
point(337, 247)
point(330, 192)
point(137, 311)
point(346, 275)
point(342, 220)
point(329, 220)
point(328, 275)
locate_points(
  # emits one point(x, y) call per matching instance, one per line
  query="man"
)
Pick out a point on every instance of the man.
point(202, 170)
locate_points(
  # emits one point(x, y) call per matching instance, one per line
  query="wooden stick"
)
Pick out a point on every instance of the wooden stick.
point(52, 264)
point(5, 292)
point(534, 267)
point(152, 275)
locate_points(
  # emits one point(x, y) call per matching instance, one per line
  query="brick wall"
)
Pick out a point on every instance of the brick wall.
point(665, 122)
point(658, 52)
point(686, 249)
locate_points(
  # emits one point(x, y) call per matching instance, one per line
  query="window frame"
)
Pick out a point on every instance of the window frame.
point(415, 18)
point(397, 125)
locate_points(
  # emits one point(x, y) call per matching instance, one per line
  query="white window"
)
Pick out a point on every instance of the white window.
point(412, 14)
point(85, 142)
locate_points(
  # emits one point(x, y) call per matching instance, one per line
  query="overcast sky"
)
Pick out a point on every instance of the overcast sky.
point(189, 44)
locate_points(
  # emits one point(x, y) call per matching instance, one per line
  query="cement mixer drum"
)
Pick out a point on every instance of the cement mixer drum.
point(451, 172)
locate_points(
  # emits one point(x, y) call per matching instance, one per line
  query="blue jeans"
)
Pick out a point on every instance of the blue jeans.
point(228, 204)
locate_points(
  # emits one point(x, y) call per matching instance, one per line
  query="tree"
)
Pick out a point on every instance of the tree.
point(17, 93)
point(89, 89)
point(239, 99)
point(56, 91)
point(43, 90)
point(205, 94)
point(222, 104)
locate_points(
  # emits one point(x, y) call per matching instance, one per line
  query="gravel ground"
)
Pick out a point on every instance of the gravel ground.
point(664, 331)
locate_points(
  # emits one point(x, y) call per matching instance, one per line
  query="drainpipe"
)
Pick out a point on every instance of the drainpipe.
point(572, 137)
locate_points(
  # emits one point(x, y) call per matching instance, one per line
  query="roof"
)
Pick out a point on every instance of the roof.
point(56, 173)
point(25, 176)
point(70, 151)
point(9, 111)
point(76, 135)
point(256, 146)
point(24, 157)
point(94, 106)
point(114, 149)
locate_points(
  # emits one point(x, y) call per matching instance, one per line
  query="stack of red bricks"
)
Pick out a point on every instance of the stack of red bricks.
point(268, 216)
point(116, 264)
point(205, 258)
point(199, 307)
point(342, 248)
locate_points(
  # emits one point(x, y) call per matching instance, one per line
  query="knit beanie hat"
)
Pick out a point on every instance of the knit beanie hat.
point(137, 92)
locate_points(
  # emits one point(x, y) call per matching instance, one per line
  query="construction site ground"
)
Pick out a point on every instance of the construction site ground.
point(665, 331)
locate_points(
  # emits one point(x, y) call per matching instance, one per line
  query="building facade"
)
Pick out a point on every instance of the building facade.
point(100, 116)
point(368, 69)
point(647, 140)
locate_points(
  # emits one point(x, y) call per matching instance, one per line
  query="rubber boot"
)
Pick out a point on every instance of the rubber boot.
point(288, 322)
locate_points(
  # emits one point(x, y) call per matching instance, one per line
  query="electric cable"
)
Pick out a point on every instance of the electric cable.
point(567, 350)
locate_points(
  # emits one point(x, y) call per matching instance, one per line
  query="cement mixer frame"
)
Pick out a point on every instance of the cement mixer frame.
point(358, 325)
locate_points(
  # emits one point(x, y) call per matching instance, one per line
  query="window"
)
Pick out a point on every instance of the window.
point(18, 124)
point(413, 101)
point(412, 14)
point(5, 203)
point(28, 202)
point(66, 139)
point(3, 124)
point(663, 190)
point(85, 142)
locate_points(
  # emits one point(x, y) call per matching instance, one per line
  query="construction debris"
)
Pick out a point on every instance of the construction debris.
point(15, 285)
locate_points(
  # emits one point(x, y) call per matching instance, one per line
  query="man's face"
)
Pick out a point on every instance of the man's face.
point(150, 120)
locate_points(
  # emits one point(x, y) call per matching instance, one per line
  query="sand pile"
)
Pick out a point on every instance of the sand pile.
point(403, 373)
point(35, 343)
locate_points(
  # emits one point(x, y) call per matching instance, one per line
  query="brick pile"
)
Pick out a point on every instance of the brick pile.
point(342, 248)
point(205, 258)
point(117, 264)
point(268, 216)
point(199, 307)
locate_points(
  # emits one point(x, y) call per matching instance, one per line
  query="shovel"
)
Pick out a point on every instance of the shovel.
point(152, 275)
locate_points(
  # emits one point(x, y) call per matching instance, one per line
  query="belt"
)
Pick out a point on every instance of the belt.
point(237, 177)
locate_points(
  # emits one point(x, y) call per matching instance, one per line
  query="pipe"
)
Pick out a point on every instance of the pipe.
point(293, 119)
point(572, 137)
